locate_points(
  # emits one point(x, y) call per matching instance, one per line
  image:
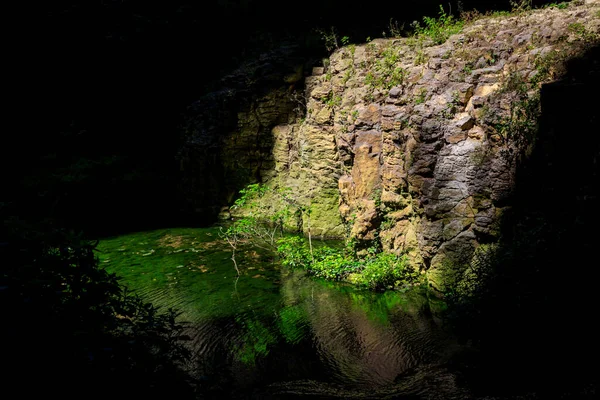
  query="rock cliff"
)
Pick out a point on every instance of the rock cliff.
point(412, 143)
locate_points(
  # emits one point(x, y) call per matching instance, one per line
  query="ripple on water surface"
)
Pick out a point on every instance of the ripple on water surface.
point(276, 329)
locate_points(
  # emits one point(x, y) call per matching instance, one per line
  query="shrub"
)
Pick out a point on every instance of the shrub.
point(293, 252)
point(332, 264)
point(70, 322)
point(377, 271)
point(439, 29)
point(386, 270)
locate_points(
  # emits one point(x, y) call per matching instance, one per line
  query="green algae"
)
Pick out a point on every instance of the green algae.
point(266, 307)
point(189, 262)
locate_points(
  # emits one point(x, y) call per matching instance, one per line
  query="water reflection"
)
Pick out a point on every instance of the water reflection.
point(277, 331)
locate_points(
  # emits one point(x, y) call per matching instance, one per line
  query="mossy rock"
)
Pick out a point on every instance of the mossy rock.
point(445, 274)
point(325, 218)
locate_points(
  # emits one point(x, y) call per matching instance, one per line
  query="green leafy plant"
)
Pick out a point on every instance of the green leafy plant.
point(332, 264)
point(329, 38)
point(352, 49)
point(335, 101)
point(348, 75)
point(325, 262)
point(267, 213)
point(293, 252)
point(95, 331)
point(394, 29)
point(386, 270)
point(421, 96)
point(560, 6)
point(421, 58)
point(519, 6)
point(387, 224)
point(386, 73)
point(439, 29)
point(375, 271)
point(499, 14)
point(520, 126)
point(582, 32)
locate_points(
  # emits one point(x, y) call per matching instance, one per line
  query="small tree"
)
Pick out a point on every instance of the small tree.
point(268, 213)
point(289, 198)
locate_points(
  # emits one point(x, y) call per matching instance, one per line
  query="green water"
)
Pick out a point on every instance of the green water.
point(276, 331)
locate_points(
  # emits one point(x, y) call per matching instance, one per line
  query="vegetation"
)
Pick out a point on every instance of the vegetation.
point(560, 6)
point(394, 29)
point(518, 129)
point(263, 222)
point(438, 29)
point(421, 96)
point(332, 100)
point(421, 58)
point(582, 32)
point(331, 40)
point(72, 325)
point(67, 320)
point(511, 294)
point(270, 212)
point(376, 271)
point(519, 6)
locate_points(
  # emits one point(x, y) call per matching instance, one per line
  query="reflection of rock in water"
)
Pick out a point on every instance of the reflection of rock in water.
point(249, 333)
point(365, 339)
point(431, 382)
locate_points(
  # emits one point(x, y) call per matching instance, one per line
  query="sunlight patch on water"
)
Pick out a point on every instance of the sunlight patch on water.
point(272, 325)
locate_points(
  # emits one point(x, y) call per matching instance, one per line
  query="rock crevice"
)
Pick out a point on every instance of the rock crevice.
point(414, 146)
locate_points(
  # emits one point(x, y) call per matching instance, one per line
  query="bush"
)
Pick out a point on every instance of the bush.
point(439, 29)
point(377, 271)
point(332, 264)
point(293, 252)
point(386, 270)
point(71, 325)
point(325, 262)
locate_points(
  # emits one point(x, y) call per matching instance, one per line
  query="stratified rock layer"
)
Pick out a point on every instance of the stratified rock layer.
point(421, 161)
point(415, 145)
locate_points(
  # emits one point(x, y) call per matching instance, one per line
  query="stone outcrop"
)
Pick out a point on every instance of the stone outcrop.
point(414, 145)
point(227, 134)
point(425, 160)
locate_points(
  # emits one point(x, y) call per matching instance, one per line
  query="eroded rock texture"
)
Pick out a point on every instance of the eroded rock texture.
point(415, 145)
point(227, 134)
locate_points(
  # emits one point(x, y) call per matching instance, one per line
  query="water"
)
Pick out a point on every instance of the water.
point(274, 332)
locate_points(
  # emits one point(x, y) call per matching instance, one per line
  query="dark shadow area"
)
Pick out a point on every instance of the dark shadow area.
point(102, 86)
point(531, 310)
point(70, 330)
point(101, 89)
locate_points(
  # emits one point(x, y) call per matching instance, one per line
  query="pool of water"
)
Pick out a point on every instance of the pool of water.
point(274, 332)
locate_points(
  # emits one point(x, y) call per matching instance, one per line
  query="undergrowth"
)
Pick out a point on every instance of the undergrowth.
point(439, 29)
point(375, 271)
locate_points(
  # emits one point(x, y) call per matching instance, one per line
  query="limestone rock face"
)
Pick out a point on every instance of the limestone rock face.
point(422, 162)
point(415, 145)
point(228, 139)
